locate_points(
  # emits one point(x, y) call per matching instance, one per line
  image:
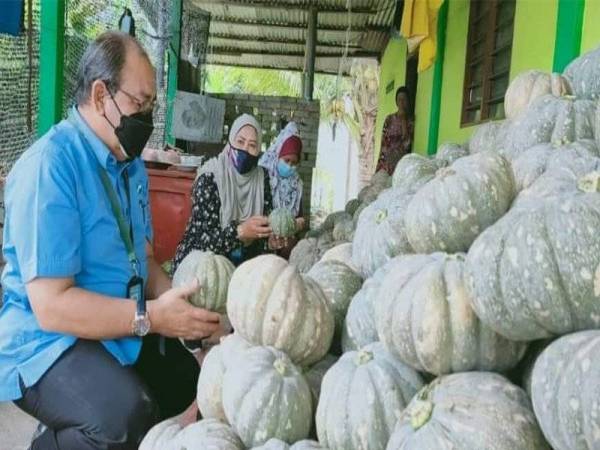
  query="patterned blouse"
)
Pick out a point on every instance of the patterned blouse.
point(204, 231)
point(396, 141)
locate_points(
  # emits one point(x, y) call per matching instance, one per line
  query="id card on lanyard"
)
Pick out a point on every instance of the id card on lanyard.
point(135, 286)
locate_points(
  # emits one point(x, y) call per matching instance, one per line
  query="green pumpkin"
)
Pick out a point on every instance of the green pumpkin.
point(413, 171)
point(282, 222)
point(528, 86)
point(489, 137)
point(307, 252)
point(565, 391)
point(448, 153)
point(344, 230)
point(341, 253)
point(206, 434)
point(266, 396)
point(452, 209)
point(352, 206)
point(360, 397)
point(315, 373)
point(339, 284)
point(213, 273)
point(424, 317)
point(270, 303)
point(380, 233)
point(276, 444)
point(535, 273)
point(210, 381)
point(583, 74)
point(468, 411)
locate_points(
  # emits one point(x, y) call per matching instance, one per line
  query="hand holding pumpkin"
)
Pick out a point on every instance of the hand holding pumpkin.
point(256, 227)
point(172, 315)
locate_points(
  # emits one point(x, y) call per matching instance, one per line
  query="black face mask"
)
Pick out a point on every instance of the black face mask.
point(133, 131)
point(243, 161)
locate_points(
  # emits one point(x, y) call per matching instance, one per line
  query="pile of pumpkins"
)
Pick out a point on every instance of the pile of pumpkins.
point(454, 305)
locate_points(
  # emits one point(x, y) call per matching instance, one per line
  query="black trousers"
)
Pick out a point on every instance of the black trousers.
point(89, 401)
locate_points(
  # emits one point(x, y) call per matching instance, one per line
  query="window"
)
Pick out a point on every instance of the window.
point(489, 45)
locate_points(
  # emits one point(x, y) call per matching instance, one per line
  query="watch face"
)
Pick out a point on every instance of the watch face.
point(141, 325)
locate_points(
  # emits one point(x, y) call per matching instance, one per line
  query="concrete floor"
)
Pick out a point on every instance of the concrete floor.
point(16, 427)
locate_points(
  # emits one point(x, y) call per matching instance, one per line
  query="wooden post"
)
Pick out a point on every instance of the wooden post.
point(173, 55)
point(308, 78)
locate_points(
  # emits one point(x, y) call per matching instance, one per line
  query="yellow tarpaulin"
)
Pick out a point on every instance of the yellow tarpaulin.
point(419, 28)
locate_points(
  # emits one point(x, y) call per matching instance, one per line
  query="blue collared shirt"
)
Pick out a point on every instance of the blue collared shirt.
point(59, 223)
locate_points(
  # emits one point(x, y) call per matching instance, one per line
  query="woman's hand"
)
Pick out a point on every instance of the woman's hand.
point(256, 227)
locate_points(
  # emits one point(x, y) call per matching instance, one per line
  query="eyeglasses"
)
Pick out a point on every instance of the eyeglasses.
point(145, 106)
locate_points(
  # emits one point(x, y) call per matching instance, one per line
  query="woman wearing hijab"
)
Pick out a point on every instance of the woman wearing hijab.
point(281, 161)
point(397, 135)
point(231, 198)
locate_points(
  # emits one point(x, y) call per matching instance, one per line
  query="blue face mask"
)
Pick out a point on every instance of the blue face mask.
point(284, 169)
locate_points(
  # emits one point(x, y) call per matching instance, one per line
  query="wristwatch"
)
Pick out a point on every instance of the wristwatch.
point(140, 326)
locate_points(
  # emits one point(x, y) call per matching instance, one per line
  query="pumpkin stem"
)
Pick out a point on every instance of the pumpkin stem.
point(445, 172)
point(589, 183)
point(363, 357)
point(280, 366)
point(381, 216)
point(420, 413)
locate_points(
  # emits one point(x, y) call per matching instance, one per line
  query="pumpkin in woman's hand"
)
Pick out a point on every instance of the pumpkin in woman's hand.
point(380, 233)
point(213, 273)
point(270, 303)
point(468, 411)
point(266, 396)
point(207, 434)
point(536, 272)
point(528, 86)
point(452, 209)
point(565, 391)
point(282, 223)
point(210, 381)
point(424, 317)
point(360, 397)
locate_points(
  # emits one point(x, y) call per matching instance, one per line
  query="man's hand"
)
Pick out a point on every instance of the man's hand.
point(172, 315)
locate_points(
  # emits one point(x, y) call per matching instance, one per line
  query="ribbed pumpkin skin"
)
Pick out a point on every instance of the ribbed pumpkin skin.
point(566, 392)
point(380, 234)
point(533, 163)
point(450, 211)
point(468, 411)
point(207, 434)
point(360, 397)
point(269, 303)
point(583, 74)
point(339, 284)
point(276, 444)
point(359, 324)
point(424, 317)
point(213, 273)
point(267, 396)
point(549, 119)
point(489, 137)
point(308, 252)
point(315, 373)
point(449, 152)
point(352, 206)
point(528, 86)
point(282, 222)
point(210, 381)
point(534, 274)
point(343, 231)
point(341, 253)
point(413, 171)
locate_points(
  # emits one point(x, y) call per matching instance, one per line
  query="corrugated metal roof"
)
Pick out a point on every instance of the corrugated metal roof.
point(272, 33)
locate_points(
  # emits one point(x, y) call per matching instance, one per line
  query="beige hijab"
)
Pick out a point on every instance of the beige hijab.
point(242, 196)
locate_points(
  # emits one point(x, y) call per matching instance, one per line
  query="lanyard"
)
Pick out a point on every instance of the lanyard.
point(126, 235)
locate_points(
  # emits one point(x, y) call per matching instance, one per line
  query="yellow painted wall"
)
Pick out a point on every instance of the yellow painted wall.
point(590, 37)
point(393, 67)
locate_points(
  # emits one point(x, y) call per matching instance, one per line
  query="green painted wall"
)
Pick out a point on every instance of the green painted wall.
point(530, 49)
point(423, 111)
point(393, 67)
point(454, 73)
point(590, 38)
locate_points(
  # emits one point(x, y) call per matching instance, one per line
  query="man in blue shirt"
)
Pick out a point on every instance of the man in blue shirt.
point(77, 249)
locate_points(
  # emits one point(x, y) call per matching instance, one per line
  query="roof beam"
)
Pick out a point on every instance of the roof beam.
point(292, 26)
point(262, 66)
point(279, 4)
point(237, 38)
point(238, 52)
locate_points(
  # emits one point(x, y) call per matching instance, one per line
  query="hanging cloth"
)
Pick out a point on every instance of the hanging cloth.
point(419, 28)
point(11, 19)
